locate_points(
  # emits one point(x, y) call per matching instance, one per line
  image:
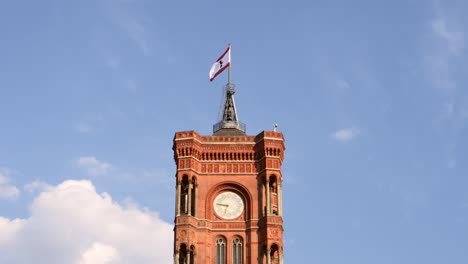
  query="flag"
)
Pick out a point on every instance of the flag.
point(221, 64)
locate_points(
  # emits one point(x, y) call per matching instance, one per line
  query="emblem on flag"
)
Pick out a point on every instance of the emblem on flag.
point(221, 64)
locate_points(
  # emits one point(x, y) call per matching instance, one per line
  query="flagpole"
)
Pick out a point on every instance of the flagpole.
point(229, 70)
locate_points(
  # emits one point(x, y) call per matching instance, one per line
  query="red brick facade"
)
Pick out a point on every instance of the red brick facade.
point(248, 167)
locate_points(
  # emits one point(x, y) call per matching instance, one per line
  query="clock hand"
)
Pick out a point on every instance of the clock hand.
point(225, 205)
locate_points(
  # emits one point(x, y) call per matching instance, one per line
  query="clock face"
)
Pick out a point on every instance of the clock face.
point(228, 205)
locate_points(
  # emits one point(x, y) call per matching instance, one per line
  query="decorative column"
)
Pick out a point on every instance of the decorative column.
point(280, 199)
point(189, 209)
point(178, 198)
point(280, 255)
point(188, 256)
point(268, 206)
point(195, 189)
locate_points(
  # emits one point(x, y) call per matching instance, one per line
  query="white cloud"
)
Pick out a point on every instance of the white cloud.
point(93, 166)
point(71, 223)
point(89, 123)
point(113, 63)
point(9, 229)
point(137, 32)
point(99, 254)
point(451, 163)
point(38, 185)
point(7, 190)
point(453, 38)
point(445, 48)
point(132, 20)
point(345, 135)
point(83, 127)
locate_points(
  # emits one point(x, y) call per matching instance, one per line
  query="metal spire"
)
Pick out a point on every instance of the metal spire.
point(229, 123)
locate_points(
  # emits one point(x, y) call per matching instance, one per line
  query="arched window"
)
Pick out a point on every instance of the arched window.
point(192, 254)
point(184, 196)
point(193, 199)
point(183, 254)
point(237, 251)
point(274, 194)
point(220, 250)
point(274, 254)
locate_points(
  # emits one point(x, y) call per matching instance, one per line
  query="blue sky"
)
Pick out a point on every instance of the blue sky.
point(370, 95)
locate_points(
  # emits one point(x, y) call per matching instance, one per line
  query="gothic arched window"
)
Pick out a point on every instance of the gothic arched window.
point(274, 194)
point(184, 196)
point(183, 254)
point(274, 254)
point(237, 251)
point(220, 250)
point(192, 254)
point(194, 196)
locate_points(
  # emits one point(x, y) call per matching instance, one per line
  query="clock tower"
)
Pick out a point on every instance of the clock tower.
point(228, 194)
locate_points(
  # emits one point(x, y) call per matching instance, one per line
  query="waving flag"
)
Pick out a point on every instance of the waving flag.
point(221, 64)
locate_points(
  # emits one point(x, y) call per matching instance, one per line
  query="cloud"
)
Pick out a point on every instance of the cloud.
point(99, 254)
point(88, 123)
point(7, 190)
point(72, 223)
point(451, 163)
point(446, 44)
point(345, 135)
point(83, 127)
point(137, 32)
point(113, 63)
point(454, 39)
point(8, 230)
point(444, 62)
point(93, 166)
point(131, 20)
point(38, 185)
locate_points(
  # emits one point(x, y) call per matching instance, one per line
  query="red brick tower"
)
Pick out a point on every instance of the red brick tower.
point(228, 194)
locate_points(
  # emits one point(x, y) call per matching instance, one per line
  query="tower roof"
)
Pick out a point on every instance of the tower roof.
point(229, 125)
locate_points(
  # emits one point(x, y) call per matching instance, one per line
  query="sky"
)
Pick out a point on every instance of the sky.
point(370, 96)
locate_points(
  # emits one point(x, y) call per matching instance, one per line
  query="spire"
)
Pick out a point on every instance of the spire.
point(229, 124)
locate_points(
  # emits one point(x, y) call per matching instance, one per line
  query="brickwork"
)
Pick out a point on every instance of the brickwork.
point(248, 166)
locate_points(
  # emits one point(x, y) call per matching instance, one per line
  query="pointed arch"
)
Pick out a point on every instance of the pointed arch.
point(220, 250)
point(184, 199)
point(192, 254)
point(274, 254)
point(183, 254)
point(194, 192)
point(237, 250)
point(273, 190)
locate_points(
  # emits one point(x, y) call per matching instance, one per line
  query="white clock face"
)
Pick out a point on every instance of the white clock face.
point(228, 205)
